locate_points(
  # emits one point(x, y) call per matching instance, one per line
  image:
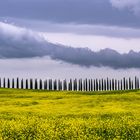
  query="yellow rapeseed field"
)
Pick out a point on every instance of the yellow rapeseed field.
point(68, 115)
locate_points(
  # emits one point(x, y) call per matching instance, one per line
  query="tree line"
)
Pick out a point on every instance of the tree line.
point(72, 84)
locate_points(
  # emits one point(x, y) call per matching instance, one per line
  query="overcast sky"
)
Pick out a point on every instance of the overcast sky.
point(58, 28)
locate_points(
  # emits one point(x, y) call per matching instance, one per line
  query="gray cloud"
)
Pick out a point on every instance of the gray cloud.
point(18, 42)
point(99, 30)
point(132, 5)
point(70, 11)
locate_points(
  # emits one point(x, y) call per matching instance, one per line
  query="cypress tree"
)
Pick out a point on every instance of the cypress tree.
point(91, 85)
point(124, 83)
point(102, 84)
point(84, 87)
point(40, 84)
point(36, 84)
point(86, 84)
point(135, 82)
point(64, 85)
point(130, 83)
point(26, 84)
point(94, 85)
point(105, 85)
point(75, 84)
point(112, 84)
point(8, 83)
point(69, 85)
point(97, 85)
point(4, 84)
point(121, 85)
point(66, 88)
point(17, 83)
point(55, 85)
point(82, 84)
point(79, 85)
point(13, 83)
point(45, 84)
point(0, 82)
point(118, 85)
point(31, 84)
point(115, 84)
point(59, 85)
point(138, 83)
point(50, 84)
point(22, 86)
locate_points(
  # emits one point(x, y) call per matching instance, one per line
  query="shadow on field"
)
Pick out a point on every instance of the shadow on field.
point(103, 92)
point(26, 91)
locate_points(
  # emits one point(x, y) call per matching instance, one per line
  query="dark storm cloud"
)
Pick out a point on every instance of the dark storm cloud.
point(18, 42)
point(70, 11)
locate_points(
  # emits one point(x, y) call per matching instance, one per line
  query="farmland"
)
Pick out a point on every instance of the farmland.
point(50, 115)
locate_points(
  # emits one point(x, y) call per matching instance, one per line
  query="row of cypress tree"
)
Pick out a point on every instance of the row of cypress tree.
point(76, 84)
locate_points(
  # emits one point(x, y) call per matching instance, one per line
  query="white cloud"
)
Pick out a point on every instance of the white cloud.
point(132, 5)
point(17, 33)
point(21, 42)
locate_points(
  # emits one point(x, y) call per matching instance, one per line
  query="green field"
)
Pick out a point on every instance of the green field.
point(48, 115)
